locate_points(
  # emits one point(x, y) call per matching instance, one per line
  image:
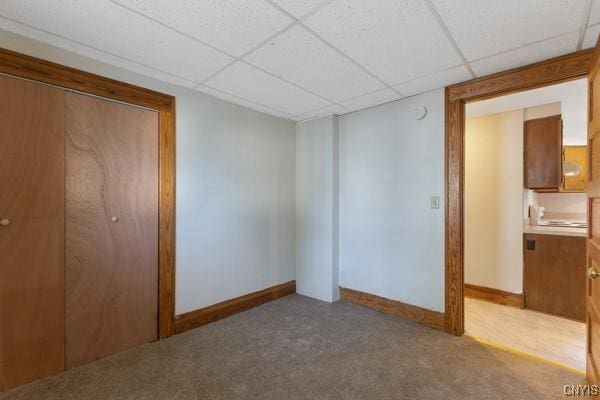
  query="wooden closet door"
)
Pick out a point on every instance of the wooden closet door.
point(32, 203)
point(111, 228)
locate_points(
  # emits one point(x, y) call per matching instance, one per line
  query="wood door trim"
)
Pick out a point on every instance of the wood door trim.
point(549, 72)
point(203, 316)
point(540, 74)
point(35, 69)
point(433, 319)
point(494, 295)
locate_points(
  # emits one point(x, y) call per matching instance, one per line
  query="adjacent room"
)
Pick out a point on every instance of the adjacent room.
point(319, 199)
point(526, 222)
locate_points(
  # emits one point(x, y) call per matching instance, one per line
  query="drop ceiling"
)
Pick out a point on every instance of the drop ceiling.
point(302, 59)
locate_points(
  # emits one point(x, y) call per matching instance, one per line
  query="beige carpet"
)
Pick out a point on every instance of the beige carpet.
point(299, 348)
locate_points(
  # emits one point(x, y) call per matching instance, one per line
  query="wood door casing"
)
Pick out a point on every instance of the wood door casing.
point(593, 244)
point(32, 194)
point(554, 274)
point(111, 267)
point(543, 153)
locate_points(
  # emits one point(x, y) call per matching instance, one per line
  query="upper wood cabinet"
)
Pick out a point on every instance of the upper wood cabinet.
point(579, 156)
point(543, 153)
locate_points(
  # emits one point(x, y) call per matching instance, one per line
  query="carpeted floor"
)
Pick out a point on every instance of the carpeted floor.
point(299, 348)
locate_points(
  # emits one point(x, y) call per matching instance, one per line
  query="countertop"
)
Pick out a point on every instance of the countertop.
point(554, 230)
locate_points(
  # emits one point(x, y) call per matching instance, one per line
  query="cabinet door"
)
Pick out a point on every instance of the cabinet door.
point(543, 153)
point(579, 156)
point(554, 275)
point(112, 228)
point(32, 203)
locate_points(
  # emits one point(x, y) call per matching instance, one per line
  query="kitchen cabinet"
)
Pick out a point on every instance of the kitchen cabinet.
point(577, 155)
point(554, 275)
point(542, 153)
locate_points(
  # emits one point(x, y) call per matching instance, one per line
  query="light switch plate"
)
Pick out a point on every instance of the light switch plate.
point(435, 202)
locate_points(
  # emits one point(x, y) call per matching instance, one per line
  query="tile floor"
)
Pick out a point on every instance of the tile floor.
point(552, 338)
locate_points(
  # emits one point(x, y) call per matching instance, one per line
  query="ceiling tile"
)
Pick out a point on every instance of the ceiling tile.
point(65, 44)
point(234, 26)
point(398, 40)
point(108, 27)
point(482, 28)
point(594, 13)
point(300, 57)
point(526, 55)
point(371, 99)
point(243, 102)
point(434, 81)
point(299, 8)
point(323, 112)
point(591, 36)
point(254, 85)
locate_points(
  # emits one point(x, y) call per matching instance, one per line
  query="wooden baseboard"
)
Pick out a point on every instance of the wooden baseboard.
point(203, 316)
point(494, 295)
point(433, 319)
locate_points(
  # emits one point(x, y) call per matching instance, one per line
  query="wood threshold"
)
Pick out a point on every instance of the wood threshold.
point(494, 295)
point(549, 72)
point(38, 70)
point(203, 316)
point(432, 319)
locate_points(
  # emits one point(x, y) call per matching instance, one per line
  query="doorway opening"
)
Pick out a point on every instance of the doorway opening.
point(525, 222)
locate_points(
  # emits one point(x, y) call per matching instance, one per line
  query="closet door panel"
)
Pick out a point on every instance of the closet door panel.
point(32, 204)
point(112, 228)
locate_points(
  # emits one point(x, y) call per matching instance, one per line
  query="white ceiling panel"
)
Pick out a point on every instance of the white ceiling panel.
point(243, 102)
point(66, 44)
point(591, 36)
point(234, 26)
point(526, 55)
point(594, 13)
point(254, 85)
point(371, 99)
point(107, 26)
point(299, 8)
point(297, 75)
point(398, 40)
point(434, 81)
point(300, 57)
point(323, 112)
point(482, 28)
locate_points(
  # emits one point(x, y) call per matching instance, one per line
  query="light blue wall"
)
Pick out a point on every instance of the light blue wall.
point(317, 208)
point(391, 241)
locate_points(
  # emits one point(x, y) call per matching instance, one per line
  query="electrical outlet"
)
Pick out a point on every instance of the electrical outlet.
point(435, 202)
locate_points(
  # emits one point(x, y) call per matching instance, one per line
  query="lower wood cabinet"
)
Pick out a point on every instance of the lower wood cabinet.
point(554, 275)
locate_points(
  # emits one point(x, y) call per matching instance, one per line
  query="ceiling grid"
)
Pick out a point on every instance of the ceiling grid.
point(302, 59)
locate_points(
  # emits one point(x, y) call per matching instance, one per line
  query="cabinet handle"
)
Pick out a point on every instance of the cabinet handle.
point(4, 222)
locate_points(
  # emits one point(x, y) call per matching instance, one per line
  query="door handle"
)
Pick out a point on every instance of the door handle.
point(4, 221)
point(593, 273)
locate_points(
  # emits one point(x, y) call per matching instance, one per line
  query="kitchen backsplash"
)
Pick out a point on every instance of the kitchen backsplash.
point(560, 205)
